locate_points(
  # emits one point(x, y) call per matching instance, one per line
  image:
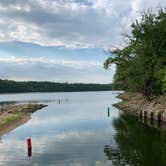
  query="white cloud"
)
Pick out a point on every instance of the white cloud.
point(52, 69)
point(69, 23)
point(51, 62)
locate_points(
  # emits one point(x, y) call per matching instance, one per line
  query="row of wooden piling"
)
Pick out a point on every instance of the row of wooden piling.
point(61, 100)
point(157, 116)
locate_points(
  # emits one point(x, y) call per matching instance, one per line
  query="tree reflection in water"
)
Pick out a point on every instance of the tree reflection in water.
point(137, 144)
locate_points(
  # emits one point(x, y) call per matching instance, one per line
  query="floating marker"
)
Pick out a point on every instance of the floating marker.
point(29, 147)
point(29, 144)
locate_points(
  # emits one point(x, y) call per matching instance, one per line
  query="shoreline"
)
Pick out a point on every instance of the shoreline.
point(135, 104)
point(12, 93)
point(12, 116)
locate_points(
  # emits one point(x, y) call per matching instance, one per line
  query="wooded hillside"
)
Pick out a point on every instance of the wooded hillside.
point(7, 86)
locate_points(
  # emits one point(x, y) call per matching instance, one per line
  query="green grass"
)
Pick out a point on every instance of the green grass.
point(9, 119)
point(17, 112)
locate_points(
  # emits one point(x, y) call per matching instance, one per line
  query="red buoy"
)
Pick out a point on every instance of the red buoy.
point(29, 144)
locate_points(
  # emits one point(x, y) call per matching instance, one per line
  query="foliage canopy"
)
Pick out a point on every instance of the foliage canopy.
point(7, 86)
point(141, 64)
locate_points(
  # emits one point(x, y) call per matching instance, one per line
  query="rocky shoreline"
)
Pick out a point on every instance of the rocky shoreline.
point(11, 116)
point(135, 104)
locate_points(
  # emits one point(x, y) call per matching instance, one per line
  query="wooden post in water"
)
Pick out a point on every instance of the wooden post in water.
point(141, 114)
point(151, 116)
point(145, 114)
point(159, 117)
point(108, 111)
point(145, 117)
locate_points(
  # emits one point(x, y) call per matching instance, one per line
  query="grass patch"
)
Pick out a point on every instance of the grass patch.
point(11, 114)
point(9, 119)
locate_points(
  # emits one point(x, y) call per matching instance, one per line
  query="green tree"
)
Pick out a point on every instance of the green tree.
point(140, 64)
point(8, 86)
point(164, 82)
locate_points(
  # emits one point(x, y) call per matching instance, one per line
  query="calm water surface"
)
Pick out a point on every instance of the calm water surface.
point(78, 132)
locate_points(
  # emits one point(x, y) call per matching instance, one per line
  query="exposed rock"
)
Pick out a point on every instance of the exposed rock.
point(135, 103)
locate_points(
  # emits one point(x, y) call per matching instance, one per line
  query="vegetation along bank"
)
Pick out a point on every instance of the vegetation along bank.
point(141, 66)
point(11, 114)
point(9, 86)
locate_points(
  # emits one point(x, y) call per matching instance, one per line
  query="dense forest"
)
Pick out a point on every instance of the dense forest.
point(7, 86)
point(141, 63)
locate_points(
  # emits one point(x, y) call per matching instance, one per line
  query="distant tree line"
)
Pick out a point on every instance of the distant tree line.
point(141, 64)
point(8, 86)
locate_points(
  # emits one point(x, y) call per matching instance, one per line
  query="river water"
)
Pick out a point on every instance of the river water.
point(77, 130)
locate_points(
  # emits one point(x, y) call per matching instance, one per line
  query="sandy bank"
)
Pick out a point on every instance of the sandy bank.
point(12, 116)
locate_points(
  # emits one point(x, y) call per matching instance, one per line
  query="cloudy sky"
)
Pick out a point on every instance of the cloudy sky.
point(64, 40)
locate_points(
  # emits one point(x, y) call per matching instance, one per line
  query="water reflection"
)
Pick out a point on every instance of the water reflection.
point(74, 133)
point(59, 101)
point(153, 123)
point(29, 152)
point(71, 133)
point(137, 144)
